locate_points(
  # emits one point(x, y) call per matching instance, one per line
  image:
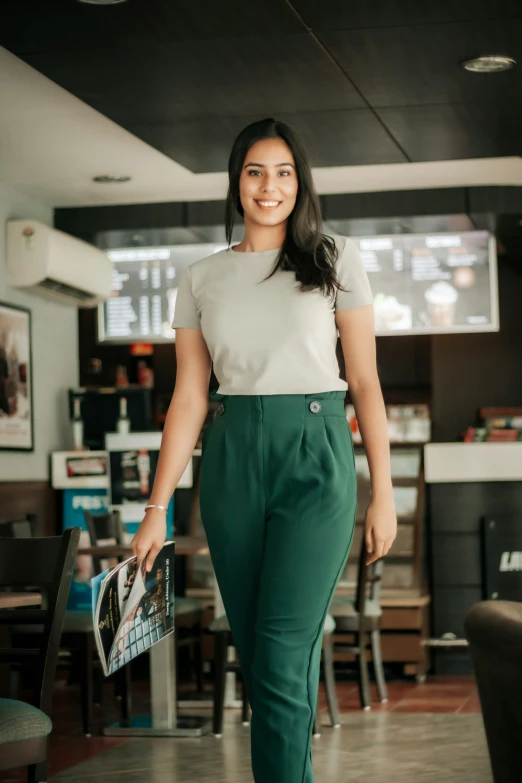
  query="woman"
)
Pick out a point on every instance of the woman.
point(278, 481)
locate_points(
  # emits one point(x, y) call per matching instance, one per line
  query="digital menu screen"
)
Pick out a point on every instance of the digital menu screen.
point(432, 283)
point(421, 283)
point(144, 287)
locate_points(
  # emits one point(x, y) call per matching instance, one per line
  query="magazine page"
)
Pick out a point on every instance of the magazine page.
point(97, 586)
point(110, 590)
point(148, 612)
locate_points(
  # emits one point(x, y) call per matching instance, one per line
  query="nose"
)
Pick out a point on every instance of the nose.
point(269, 184)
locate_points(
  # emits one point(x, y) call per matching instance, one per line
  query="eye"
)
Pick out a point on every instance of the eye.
point(284, 173)
point(253, 171)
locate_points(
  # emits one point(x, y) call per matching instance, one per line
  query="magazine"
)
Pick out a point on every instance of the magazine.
point(133, 609)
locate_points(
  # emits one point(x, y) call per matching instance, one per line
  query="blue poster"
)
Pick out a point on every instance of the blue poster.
point(75, 501)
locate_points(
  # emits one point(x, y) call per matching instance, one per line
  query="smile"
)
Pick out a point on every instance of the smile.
point(267, 204)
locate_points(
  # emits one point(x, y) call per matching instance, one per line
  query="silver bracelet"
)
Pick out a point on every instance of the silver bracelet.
point(153, 505)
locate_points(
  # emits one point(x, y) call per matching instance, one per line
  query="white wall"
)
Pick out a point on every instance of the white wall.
point(55, 355)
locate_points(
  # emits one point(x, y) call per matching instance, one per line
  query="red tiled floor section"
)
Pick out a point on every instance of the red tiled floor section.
point(68, 746)
point(437, 694)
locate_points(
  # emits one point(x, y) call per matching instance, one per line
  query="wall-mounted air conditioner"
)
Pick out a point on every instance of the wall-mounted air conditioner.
point(50, 263)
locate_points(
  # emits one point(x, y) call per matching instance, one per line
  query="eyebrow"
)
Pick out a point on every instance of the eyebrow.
point(262, 165)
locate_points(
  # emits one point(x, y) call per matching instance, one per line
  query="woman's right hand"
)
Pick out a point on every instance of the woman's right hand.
point(150, 537)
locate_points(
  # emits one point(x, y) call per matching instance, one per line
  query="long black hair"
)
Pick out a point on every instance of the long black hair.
point(306, 250)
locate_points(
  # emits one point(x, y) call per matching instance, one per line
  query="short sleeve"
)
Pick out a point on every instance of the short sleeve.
point(186, 314)
point(352, 276)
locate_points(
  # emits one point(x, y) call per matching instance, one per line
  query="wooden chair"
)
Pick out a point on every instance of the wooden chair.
point(78, 635)
point(23, 527)
point(46, 565)
point(493, 629)
point(361, 616)
point(220, 627)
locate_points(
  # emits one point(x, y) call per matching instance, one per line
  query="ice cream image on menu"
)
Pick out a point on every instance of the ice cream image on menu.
point(441, 299)
point(390, 314)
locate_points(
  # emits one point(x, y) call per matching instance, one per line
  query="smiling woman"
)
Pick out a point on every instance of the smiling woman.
point(271, 186)
point(277, 482)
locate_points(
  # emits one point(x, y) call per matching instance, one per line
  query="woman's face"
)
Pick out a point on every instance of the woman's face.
point(268, 183)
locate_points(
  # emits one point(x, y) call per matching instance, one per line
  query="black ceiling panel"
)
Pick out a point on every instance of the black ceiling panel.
point(470, 130)
point(405, 66)
point(164, 83)
point(381, 83)
point(357, 14)
point(29, 26)
point(333, 138)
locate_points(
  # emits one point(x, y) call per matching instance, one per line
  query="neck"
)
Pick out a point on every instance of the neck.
point(260, 238)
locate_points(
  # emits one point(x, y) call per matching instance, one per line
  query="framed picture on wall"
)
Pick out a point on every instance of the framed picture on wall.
point(16, 379)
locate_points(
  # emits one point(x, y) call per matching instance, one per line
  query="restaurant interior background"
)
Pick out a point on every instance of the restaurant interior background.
point(406, 142)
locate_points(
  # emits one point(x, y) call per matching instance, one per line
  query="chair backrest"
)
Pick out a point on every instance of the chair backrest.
point(494, 632)
point(21, 527)
point(369, 580)
point(104, 527)
point(44, 565)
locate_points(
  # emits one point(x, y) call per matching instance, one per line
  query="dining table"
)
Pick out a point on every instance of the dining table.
point(183, 545)
point(164, 720)
point(10, 600)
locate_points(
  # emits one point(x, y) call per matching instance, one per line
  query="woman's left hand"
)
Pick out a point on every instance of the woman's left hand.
point(381, 527)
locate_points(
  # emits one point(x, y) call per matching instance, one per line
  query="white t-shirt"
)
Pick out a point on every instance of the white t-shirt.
point(267, 336)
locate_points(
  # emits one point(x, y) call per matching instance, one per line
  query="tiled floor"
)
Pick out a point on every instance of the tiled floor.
point(451, 695)
point(381, 748)
point(376, 747)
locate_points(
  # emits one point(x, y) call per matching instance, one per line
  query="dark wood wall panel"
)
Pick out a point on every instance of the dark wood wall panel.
point(86, 222)
point(473, 370)
point(18, 498)
point(442, 201)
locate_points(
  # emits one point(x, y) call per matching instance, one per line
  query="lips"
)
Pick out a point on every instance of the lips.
point(267, 203)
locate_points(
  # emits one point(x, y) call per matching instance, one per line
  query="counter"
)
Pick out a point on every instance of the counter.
point(469, 485)
point(453, 463)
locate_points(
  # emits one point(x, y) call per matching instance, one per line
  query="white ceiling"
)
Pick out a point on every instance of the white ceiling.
point(52, 145)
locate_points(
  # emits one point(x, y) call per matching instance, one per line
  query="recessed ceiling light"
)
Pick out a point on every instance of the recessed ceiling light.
point(102, 2)
point(489, 63)
point(107, 179)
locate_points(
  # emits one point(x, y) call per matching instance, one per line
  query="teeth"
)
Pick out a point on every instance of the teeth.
point(268, 203)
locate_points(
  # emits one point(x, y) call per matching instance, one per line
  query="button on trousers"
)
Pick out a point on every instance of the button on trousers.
point(278, 498)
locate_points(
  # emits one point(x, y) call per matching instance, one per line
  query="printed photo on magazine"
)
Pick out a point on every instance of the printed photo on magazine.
point(133, 609)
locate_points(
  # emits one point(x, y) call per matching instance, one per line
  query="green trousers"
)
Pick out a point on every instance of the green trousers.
point(278, 498)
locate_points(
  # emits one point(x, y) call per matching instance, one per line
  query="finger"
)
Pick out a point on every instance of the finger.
point(369, 540)
point(141, 554)
point(151, 557)
point(376, 554)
